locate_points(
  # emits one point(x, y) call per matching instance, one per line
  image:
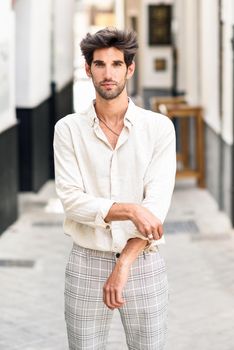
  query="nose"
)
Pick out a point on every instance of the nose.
point(108, 72)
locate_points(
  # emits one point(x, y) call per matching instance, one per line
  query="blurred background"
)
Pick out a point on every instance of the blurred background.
point(184, 69)
point(185, 49)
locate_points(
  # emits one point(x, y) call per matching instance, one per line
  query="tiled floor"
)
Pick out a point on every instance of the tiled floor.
point(200, 268)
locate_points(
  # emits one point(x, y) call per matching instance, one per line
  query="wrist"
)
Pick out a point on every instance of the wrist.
point(131, 211)
point(133, 248)
point(124, 262)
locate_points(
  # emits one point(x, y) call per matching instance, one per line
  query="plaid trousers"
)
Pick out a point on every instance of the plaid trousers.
point(144, 315)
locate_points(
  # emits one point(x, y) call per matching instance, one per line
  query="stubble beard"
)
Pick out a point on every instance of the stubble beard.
point(111, 94)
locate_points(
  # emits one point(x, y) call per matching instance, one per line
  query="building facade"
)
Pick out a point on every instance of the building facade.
point(8, 121)
point(36, 71)
point(201, 36)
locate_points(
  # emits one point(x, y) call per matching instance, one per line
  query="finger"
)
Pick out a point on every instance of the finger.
point(150, 236)
point(156, 236)
point(119, 298)
point(106, 298)
point(148, 229)
point(116, 300)
point(143, 231)
point(160, 230)
point(112, 299)
point(155, 233)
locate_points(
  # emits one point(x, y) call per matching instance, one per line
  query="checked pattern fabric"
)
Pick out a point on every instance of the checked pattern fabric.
point(144, 315)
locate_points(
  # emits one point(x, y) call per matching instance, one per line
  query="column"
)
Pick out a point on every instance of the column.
point(33, 90)
point(8, 122)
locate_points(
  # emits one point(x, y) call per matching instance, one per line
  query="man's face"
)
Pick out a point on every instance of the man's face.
point(109, 72)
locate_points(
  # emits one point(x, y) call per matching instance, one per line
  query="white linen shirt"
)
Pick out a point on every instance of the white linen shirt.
point(90, 175)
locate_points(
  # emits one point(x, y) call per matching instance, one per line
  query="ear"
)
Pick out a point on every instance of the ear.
point(88, 70)
point(131, 70)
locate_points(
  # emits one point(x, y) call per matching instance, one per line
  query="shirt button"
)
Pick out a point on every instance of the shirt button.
point(108, 227)
point(117, 255)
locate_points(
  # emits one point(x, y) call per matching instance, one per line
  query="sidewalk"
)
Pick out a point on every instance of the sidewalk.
point(199, 255)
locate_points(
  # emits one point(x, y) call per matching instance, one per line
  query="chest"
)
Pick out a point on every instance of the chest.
point(112, 139)
point(112, 135)
point(102, 153)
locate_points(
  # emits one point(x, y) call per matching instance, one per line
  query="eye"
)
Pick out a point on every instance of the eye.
point(99, 64)
point(117, 64)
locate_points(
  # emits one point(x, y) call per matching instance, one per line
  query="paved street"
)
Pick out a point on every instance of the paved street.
point(200, 259)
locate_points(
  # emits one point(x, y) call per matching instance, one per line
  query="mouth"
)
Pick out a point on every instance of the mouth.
point(108, 84)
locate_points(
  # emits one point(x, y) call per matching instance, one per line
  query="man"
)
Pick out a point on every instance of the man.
point(115, 170)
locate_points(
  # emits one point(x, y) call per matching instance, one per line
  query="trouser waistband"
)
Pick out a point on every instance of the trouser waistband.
point(105, 254)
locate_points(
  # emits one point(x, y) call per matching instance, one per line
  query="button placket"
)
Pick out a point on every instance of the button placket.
point(114, 195)
point(113, 177)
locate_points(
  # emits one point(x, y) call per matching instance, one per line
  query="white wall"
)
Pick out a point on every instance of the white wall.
point(186, 16)
point(63, 45)
point(227, 98)
point(44, 48)
point(33, 52)
point(149, 77)
point(119, 13)
point(198, 47)
point(7, 97)
point(209, 63)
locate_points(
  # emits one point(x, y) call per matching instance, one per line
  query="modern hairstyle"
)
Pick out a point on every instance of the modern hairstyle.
point(125, 41)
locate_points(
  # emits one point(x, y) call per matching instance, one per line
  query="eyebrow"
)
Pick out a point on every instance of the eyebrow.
point(118, 61)
point(115, 61)
point(98, 61)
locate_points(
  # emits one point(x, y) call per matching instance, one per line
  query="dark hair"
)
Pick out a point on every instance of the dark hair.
point(125, 41)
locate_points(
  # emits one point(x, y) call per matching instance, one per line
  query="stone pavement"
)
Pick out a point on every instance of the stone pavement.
point(199, 255)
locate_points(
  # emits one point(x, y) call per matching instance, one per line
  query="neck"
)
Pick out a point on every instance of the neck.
point(111, 110)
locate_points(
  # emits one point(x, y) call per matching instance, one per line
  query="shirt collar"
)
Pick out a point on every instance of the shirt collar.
point(130, 114)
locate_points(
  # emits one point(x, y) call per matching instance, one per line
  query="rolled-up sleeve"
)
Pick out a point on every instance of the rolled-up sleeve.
point(159, 179)
point(78, 205)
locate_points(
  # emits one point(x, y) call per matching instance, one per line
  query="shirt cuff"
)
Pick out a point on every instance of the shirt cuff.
point(102, 213)
point(151, 246)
